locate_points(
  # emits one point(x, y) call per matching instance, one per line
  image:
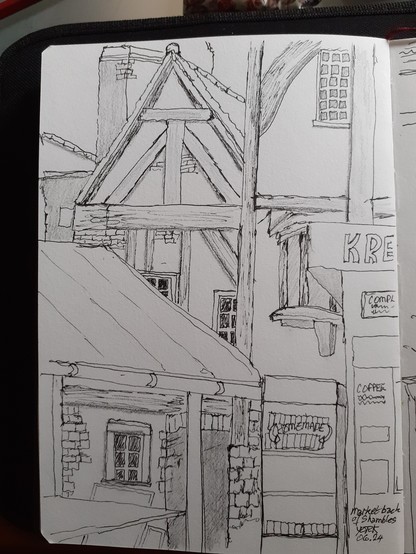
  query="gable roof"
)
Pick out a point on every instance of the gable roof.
point(226, 107)
point(96, 310)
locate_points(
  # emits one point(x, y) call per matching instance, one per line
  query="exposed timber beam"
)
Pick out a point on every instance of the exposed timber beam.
point(128, 183)
point(185, 270)
point(247, 250)
point(216, 178)
point(172, 216)
point(173, 157)
point(223, 252)
point(362, 133)
point(176, 114)
point(383, 207)
point(301, 204)
point(110, 378)
point(147, 100)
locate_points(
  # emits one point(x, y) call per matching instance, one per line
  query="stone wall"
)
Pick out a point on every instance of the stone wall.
point(75, 446)
point(172, 483)
point(113, 238)
point(245, 474)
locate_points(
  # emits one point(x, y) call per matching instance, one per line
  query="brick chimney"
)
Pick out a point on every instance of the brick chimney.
point(116, 68)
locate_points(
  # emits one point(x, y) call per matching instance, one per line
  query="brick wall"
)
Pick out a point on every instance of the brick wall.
point(244, 474)
point(172, 483)
point(75, 446)
point(113, 238)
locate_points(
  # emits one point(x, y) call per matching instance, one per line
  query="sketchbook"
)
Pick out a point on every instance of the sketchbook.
point(226, 241)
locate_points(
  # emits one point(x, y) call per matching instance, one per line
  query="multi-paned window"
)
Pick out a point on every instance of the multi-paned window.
point(334, 92)
point(165, 283)
point(225, 311)
point(128, 452)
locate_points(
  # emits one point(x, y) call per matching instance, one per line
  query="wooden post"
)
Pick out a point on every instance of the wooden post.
point(57, 432)
point(194, 494)
point(247, 250)
point(341, 506)
point(185, 268)
point(149, 250)
point(240, 421)
point(363, 121)
point(173, 161)
point(131, 245)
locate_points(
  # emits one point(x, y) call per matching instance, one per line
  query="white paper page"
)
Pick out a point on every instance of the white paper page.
point(218, 319)
point(403, 62)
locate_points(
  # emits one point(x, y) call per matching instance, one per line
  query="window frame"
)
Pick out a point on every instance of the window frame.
point(218, 294)
point(336, 123)
point(128, 428)
point(173, 280)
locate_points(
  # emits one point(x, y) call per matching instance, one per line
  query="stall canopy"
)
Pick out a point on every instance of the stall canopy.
point(96, 310)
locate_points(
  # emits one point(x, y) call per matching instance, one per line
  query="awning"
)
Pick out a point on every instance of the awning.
point(96, 310)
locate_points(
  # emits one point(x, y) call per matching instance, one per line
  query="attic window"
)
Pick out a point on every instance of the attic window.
point(65, 217)
point(165, 283)
point(333, 89)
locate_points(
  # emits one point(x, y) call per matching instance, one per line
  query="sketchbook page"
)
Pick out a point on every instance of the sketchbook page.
point(218, 322)
point(403, 63)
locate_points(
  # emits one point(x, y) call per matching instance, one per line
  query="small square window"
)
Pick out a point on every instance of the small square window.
point(333, 81)
point(66, 216)
point(165, 283)
point(128, 452)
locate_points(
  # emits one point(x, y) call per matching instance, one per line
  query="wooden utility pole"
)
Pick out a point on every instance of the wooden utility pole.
point(247, 247)
point(363, 123)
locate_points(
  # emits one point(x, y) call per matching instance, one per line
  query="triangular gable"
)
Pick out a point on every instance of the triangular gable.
point(104, 186)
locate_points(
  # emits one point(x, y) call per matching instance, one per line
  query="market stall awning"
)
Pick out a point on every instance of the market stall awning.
point(96, 310)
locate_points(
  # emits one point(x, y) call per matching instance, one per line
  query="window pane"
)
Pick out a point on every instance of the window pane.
point(120, 442)
point(234, 304)
point(232, 338)
point(224, 321)
point(163, 284)
point(223, 335)
point(225, 305)
point(120, 474)
point(133, 459)
point(119, 459)
point(134, 443)
point(133, 475)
